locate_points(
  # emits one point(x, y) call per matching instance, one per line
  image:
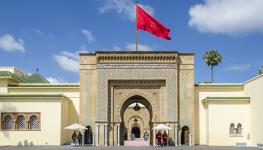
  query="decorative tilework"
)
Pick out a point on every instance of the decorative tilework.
point(104, 75)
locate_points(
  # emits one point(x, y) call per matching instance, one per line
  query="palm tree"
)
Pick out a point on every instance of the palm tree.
point(212, 58)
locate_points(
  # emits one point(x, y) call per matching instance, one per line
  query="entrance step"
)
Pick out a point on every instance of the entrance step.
point(137, 142)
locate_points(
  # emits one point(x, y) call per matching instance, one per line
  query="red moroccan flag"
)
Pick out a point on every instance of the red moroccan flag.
point(148, 23)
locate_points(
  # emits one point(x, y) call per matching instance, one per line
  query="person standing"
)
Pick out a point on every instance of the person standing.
point(165, 138)
point(132, 136)
point(74, 137)
point(80, 138)
point(159, 138)
point(145, 136)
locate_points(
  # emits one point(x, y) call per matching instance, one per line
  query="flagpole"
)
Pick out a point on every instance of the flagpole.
point(136, 27)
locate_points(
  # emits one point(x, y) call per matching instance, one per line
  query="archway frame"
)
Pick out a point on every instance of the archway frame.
point(151, 103)
point(135, 99)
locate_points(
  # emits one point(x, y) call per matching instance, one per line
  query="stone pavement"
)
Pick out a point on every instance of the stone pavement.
point(125, 148)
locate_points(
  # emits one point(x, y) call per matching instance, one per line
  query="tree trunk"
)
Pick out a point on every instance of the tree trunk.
point(212, 74)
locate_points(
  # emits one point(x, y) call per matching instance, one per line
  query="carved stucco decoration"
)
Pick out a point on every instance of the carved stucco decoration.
point(105, 75)
point(152, 100)
point(135, 58)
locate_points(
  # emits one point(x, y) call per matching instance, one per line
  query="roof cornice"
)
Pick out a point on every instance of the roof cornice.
point(236, 98)
point(34, 96)
point(46, 85)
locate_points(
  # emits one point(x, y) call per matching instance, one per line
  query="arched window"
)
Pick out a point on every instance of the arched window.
point(239, 129)
point(232, 129)
point(8, 122)
point(34, 122)
point(21, 123)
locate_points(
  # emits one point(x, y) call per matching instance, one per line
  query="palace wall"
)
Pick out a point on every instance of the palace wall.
point(51, 125)
point(186, 94)
point(254, 89)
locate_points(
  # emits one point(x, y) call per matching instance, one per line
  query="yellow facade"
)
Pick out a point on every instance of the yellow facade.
point(210, 110)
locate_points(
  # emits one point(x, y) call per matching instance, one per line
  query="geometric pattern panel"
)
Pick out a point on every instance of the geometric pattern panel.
point(104, 75)
point(34, 122)
point(21, 122)
point(8, 122)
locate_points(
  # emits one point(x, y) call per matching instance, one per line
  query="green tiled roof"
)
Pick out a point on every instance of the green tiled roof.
point(34, 78)
point(9, 74)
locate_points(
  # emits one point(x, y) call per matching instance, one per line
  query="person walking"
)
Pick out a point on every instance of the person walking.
point(80, 138)
point(74, 137)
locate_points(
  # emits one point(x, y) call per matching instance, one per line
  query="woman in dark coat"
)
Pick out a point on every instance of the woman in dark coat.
point(80, 138)
point(74, 137)
point(159, 138)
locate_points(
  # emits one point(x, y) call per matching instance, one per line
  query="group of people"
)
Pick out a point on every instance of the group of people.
point(77, 138)
point(161, 138)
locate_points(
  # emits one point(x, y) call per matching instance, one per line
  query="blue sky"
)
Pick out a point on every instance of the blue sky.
point(49, 34)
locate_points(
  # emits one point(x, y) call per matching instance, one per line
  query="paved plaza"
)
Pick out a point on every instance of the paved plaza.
point(125, 148)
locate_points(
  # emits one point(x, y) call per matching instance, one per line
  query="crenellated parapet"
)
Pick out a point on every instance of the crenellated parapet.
point(136, 57)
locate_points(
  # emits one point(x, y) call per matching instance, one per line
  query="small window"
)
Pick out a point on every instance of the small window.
point(21, 123)
point(239, 129)
point(232, 129)
point(8, 122)
point(34, 122)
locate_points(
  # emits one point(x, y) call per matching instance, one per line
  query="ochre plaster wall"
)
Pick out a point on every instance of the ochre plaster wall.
point(212, 90)
point(254, 88)
point(50, 132)
point(220, 115)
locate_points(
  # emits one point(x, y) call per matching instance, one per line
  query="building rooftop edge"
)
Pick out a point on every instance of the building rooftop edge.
point(254, 78)
point(227, 98)
point(138, 52)
point(219, 84)
point(47, 85)
point(35, 95)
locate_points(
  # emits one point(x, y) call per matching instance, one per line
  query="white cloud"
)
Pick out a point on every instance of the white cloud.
point(125, 8)
point(9, 43)
point(45, 36)
point(116, 48)
point(53, 80)
point(238, 67)
point(141, 47)
point(87, 33)
point(68, 61)
point(227, 16)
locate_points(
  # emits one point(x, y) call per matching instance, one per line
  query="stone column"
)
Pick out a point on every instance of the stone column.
point(167, 131)
point(179, 137)
point(128, 134)
point(154, 135)
point(106, 134)
point(118, 134)
point(93, 140)
point(111, 134)
point(97, 134)
point(175, 135)
point(190, 139)
point(83, 135)
point(111, 101)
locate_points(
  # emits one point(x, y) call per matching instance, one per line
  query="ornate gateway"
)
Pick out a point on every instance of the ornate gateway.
point(159, 83)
